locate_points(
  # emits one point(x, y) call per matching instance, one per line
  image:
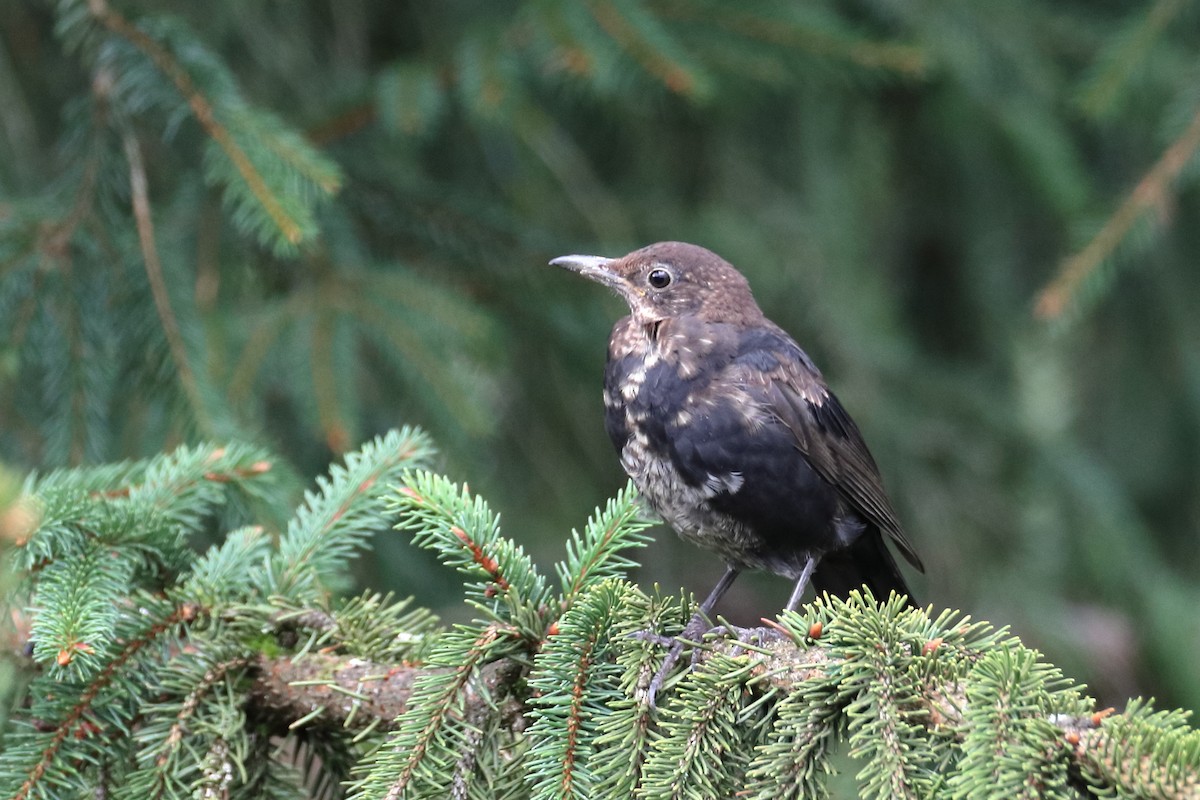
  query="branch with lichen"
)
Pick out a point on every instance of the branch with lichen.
point(544, 694)
point(1131, 751)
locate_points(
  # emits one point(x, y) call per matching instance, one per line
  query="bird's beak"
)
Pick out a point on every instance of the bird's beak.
point(598, 268)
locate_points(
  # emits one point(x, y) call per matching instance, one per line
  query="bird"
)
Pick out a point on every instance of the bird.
point(732, 436)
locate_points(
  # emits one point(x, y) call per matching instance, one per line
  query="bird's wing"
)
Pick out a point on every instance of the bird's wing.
point(795, 394)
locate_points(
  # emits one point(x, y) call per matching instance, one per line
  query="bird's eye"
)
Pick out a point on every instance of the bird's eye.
point(659, 278)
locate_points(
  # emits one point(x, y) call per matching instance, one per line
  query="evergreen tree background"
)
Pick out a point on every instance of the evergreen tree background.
point(302, 224)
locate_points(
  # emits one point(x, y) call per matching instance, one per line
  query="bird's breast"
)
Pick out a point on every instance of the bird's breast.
point(658, 395)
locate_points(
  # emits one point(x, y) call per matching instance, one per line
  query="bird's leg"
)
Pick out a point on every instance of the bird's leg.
point(801, 584)
point(715, 595)
point(694, 629)
point(766, 633)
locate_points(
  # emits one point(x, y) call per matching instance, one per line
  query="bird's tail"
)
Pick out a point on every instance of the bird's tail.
point(867, 562)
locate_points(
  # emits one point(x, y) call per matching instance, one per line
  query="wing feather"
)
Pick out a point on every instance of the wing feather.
point(832, 443)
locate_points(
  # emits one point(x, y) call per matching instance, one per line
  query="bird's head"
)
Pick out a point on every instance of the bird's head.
point(672, 279)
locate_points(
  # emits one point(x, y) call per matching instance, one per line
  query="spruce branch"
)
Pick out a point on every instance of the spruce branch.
point(1152, 195)
point(76, 609)
point(794, 762)
point(576, 681)
point(392, 631)
point(1007, 731)
point(141, 510)
point(139, 193)
point(54, 240)
point(330, 415)
point(545, 697)
point(165, 752)
point(271, 325)
point(430, 734)
point(879, 730)
point(101, 533)
point(465, 534)
point(700, 752)
point(596, 555)
point(204, 112)
point(882, 706)
point(335, 521)
point(111, 672)
point(352, 693)
point(294, 176)
point(904, 59)
point(373, 299)
point(632, 29)
point(629, 725)
point(563, 157)
point(1141, 752)
point(1132, 45)
point(220, 766)
point(164, 480)
point(272, 177)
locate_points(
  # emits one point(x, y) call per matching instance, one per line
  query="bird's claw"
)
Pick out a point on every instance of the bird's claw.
point(652, 636)
point(695, 633)
point(751, 636)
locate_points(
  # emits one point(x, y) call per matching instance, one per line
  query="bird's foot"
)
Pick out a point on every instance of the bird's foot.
point(654, 637)
point(745, 638)
point(660, 677)
point(695, 632)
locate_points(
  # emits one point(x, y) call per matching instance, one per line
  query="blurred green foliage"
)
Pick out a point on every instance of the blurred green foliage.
point(304, 223)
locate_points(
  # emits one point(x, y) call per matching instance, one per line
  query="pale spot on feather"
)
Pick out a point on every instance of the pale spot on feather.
point(688, 368)
point(633, 383)
point(716, 484)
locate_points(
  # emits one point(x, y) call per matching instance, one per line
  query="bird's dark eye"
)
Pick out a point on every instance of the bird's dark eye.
point(659, 278)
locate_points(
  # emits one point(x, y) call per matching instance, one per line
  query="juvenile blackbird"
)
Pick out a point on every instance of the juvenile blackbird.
point(730, 433)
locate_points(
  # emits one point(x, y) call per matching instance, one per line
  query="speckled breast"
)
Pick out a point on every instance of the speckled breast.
point(648, 400)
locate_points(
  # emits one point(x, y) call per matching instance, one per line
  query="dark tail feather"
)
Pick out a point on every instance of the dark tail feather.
point(866, 562)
